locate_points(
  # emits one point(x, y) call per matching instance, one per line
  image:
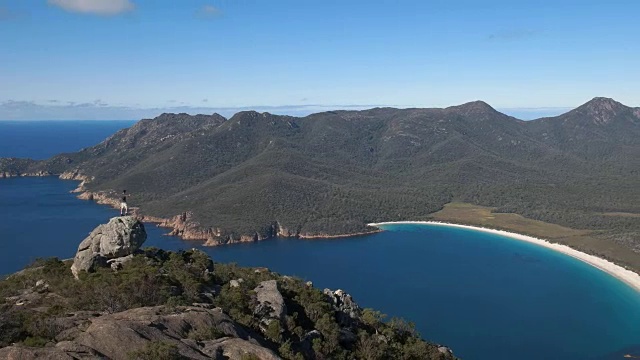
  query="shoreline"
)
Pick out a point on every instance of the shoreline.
point(629, 277)
point(331, 237)
point(180, 225)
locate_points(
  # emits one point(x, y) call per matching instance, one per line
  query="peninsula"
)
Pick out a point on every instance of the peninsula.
point(260, 175)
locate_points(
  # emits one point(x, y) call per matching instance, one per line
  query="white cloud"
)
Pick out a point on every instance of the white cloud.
point(209, 11)
point(97, 7)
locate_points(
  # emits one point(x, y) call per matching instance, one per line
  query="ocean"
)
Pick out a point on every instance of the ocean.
point(484, 295)
point(44, 138)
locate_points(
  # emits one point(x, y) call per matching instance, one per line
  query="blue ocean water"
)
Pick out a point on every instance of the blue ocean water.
point(484, 295)
point(43, 139)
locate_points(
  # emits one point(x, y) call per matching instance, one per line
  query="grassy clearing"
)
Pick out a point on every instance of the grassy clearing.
point(622, 214)
point(587, 241)
point(464, 213)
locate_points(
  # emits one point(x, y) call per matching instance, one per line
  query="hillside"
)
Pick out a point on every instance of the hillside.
point(257, 175)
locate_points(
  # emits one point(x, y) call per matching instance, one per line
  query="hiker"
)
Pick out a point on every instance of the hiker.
point(124, 209)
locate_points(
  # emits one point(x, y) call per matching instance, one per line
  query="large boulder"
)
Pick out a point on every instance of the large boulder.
point(270, 304)
point(108, 243)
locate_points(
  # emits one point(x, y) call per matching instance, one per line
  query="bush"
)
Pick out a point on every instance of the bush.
point(157, 350)
point(204, 334)
point(35, 341)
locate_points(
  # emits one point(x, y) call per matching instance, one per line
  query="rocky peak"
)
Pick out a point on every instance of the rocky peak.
point(603, 103)
point(600, 110)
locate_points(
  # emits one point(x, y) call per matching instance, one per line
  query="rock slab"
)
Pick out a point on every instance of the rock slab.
point(118, 336)
point(271, 305)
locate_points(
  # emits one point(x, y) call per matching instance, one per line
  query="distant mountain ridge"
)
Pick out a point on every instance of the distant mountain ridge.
point(258, 175)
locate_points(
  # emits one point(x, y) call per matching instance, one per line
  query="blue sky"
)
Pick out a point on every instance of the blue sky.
point(113, 59)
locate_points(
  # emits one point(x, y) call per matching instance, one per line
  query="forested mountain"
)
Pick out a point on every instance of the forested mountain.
point(257, 174)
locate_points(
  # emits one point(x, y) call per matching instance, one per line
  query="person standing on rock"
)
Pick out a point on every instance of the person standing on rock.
point(124, 209)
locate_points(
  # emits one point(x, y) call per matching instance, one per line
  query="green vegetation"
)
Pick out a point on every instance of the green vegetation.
point(156, 350)
point(157, 277)
point(332, 173)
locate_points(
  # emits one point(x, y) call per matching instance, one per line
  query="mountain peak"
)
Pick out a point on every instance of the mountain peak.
point(602, 104)
point(474, 106)
point(478, 110)
point(600, 110)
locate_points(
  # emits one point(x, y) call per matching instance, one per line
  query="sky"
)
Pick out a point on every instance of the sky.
point(127, 59)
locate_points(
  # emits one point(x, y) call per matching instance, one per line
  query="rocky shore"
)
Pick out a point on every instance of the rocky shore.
point(185, 227)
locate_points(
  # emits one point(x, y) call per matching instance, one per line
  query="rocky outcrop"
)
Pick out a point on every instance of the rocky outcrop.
point(271, 306)
point(109, 243)
point(77, 175)
point(194, 332)
point(185, 227)
point(98, 197)
point(347, 311)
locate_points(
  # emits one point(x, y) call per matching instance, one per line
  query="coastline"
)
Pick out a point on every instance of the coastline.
point(629, 277)
point(181, 225)
point(330, 237)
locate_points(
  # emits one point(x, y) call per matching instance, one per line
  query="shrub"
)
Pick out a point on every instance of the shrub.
point(157, 350)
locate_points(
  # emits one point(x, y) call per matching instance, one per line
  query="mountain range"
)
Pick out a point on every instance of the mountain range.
point(257, 175)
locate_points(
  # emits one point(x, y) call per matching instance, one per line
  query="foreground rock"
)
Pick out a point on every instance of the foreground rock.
point(113, 242)
point(190, 332)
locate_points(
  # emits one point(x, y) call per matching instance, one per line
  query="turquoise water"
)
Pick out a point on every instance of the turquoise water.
point(486, 296)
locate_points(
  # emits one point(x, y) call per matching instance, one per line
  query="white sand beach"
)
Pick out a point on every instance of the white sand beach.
point(629, 277)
